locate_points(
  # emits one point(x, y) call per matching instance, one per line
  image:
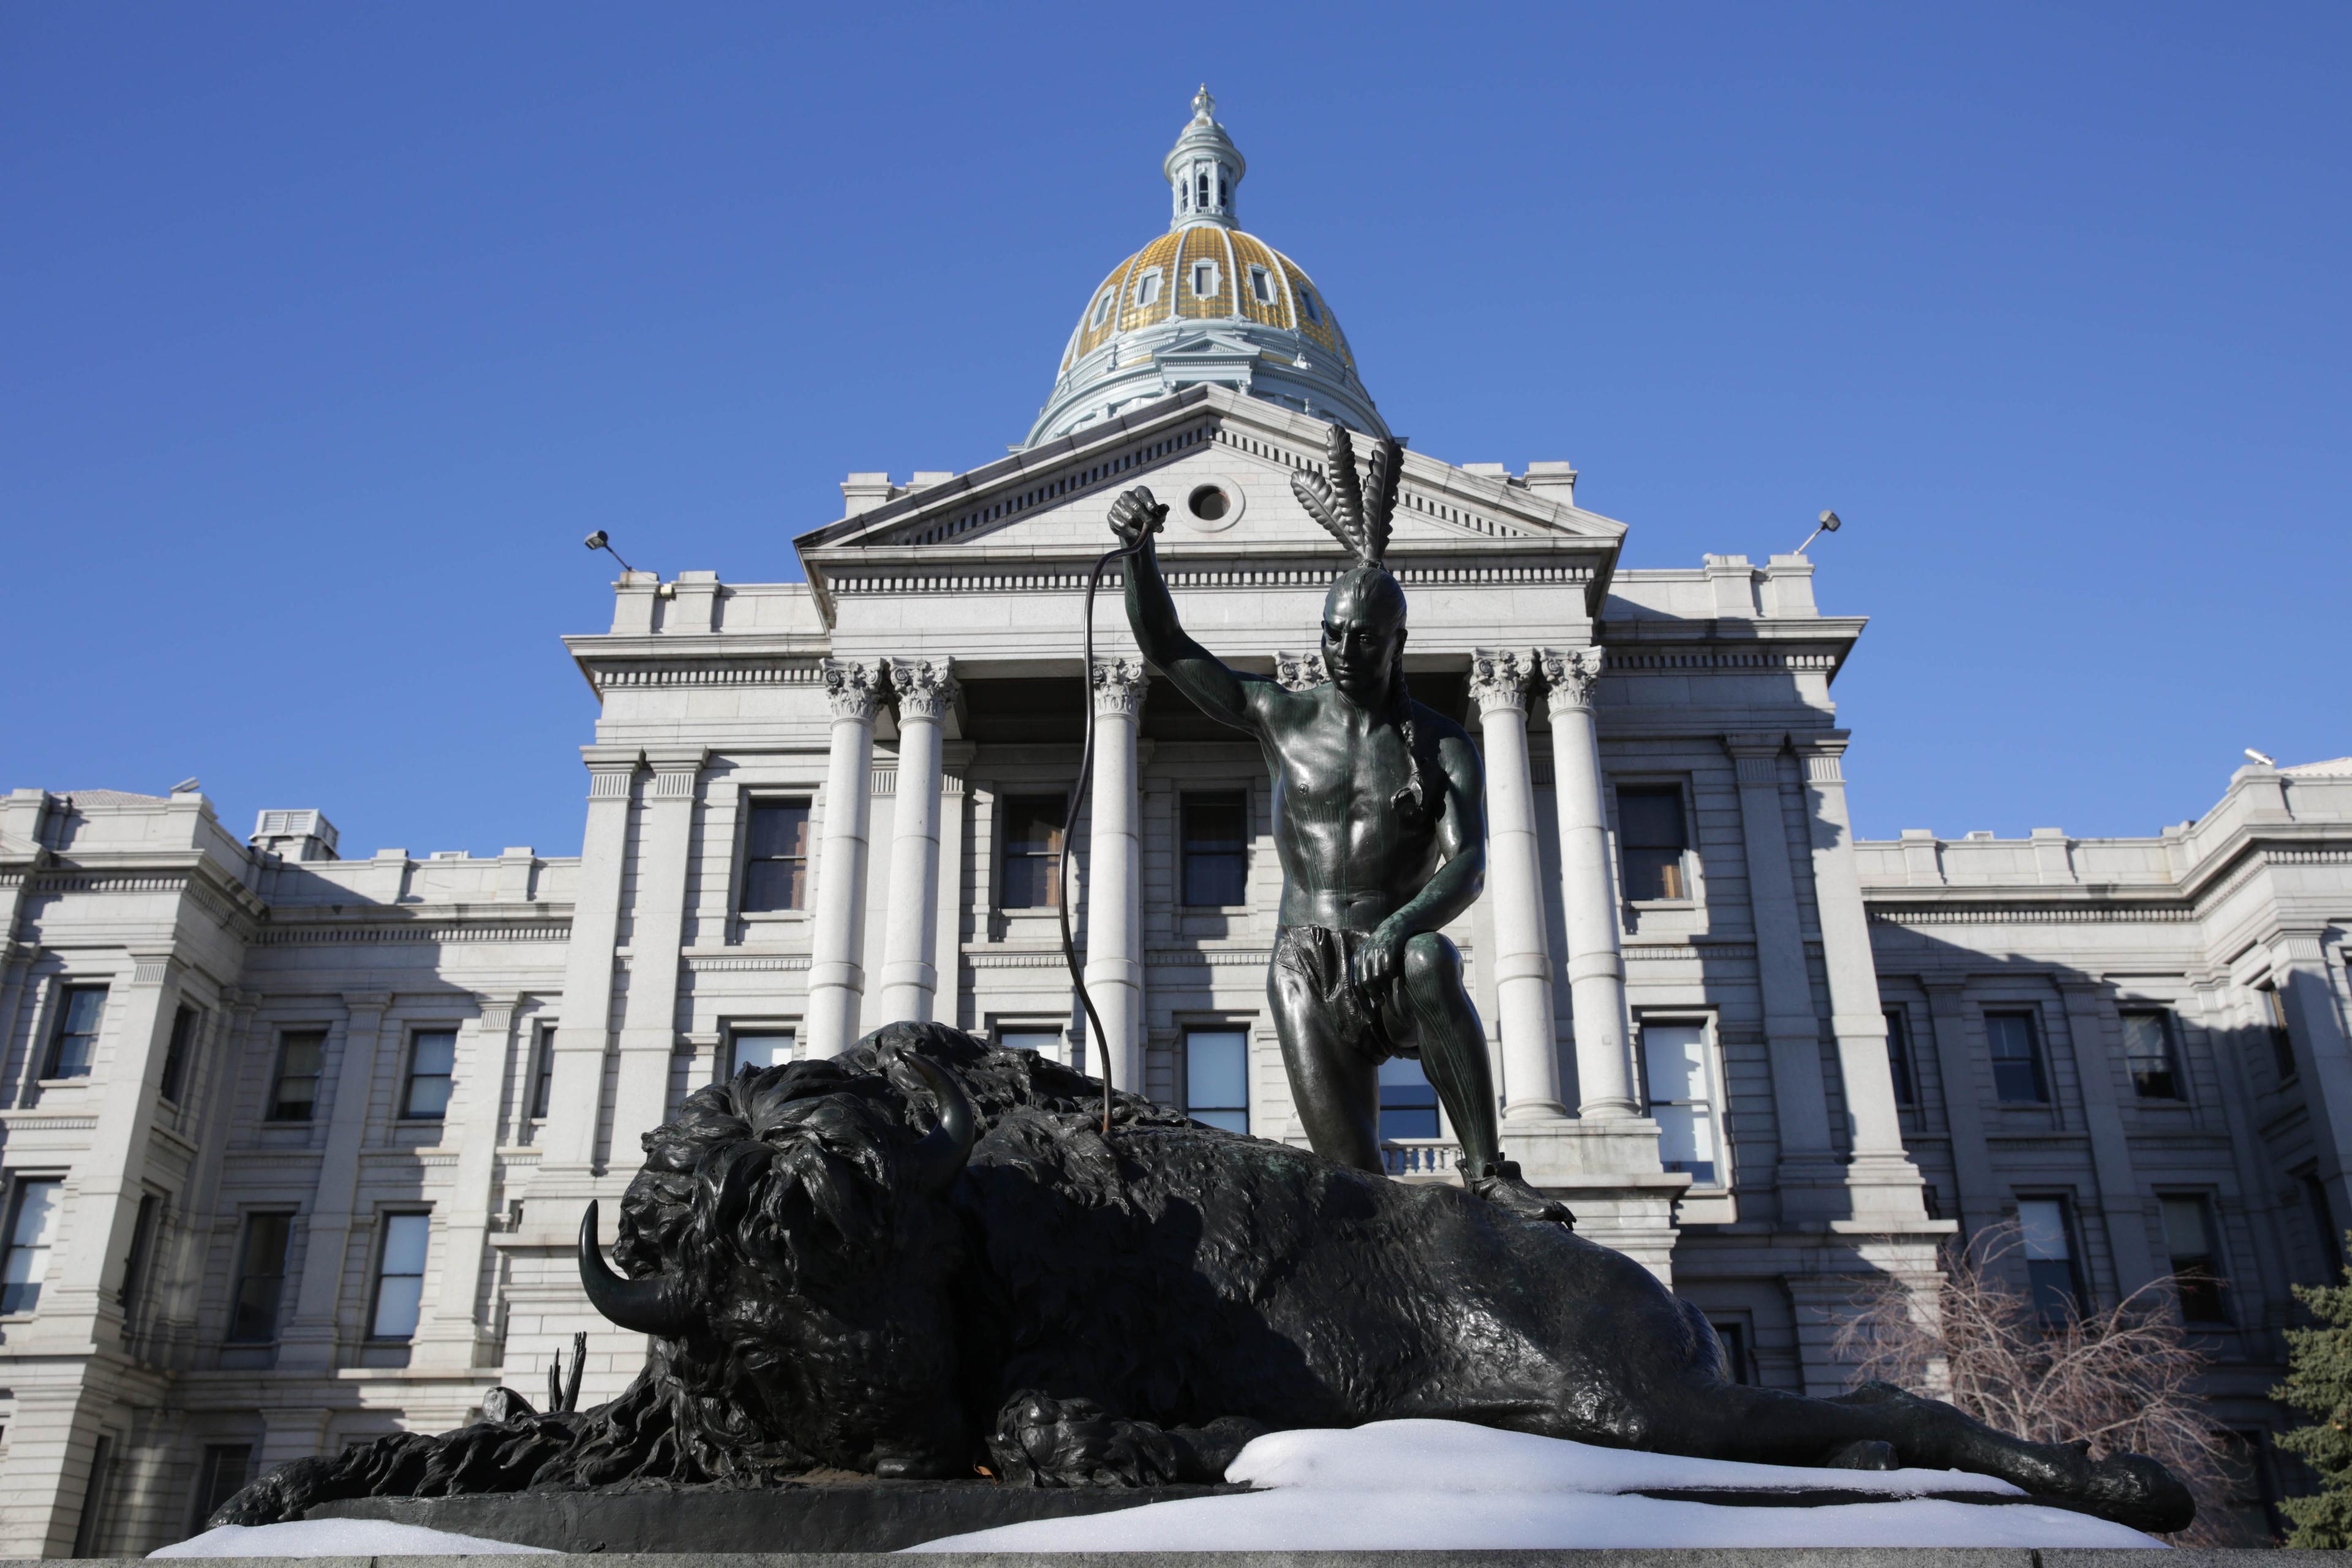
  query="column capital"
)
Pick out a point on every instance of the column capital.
point(2299, 944)
point(1756, 756)
point(609, 770)
point(1300, 671)
point(151, 965)
point(1119, 685)
point(851, 687)
point(1821, 742)
point(926, 687)
point(674, 770)
point(1570, 675)
point(1499, 676)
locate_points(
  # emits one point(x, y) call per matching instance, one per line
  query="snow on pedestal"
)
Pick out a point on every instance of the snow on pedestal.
point(1447, 1485)
point(340, 1538)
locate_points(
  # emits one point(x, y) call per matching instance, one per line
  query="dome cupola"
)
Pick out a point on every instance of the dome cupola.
point(1206, 302)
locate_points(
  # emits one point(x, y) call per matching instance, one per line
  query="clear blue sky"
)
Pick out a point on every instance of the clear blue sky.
point(330, 330)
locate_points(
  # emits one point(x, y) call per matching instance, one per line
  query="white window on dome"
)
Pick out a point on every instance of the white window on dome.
point(1308, 306)
point(1205, 283)
point(1146, 288)
point(1101, 313)
point(1680, 1075)
point(1261, 285)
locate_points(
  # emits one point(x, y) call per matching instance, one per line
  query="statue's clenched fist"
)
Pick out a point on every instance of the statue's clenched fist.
point(1135, 514)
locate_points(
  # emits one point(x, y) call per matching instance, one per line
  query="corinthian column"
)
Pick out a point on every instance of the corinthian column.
point(1114, 864)
point(837, 973)
point(1514, 878)
point(910, 976)
point(1588, 889)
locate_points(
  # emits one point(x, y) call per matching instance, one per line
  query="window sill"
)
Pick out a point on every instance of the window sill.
point(765, 917)
point(1662, 904)
point(49, 1083)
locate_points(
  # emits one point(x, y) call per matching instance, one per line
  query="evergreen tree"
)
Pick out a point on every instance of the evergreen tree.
point(2319, 1384)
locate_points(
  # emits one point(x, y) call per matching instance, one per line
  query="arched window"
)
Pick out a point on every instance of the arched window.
point(1221, 187)
point(1202, 185)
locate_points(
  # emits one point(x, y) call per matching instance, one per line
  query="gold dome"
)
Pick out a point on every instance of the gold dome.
point(1207, 272)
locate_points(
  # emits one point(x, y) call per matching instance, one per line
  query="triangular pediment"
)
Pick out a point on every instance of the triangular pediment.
point(1222, 463)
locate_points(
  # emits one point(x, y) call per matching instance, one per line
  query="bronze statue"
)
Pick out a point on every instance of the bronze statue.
point(1379, 821)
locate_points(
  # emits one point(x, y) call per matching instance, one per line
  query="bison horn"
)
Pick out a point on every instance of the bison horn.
point(944, 1149)
point(648, 1306)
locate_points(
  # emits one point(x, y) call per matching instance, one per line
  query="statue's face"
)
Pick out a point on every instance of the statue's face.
point(1363, 635)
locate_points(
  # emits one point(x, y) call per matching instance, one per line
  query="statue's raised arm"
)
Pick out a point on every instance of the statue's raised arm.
point(1223, 692)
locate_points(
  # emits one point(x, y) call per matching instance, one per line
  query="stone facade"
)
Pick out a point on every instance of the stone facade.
point(295, 1145)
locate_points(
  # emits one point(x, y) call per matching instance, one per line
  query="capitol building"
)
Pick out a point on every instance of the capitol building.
point(297, 1137)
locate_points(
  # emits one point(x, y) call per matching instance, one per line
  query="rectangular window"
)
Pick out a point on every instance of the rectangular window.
point(261, 1280)
point(1042, 1038)
point(756, 1049)
point(1649, 829)
point(1898, 1057)
point(301, 1053)
point(134, 1267)
point(32, 1228)
point(1261, 285)
point(432, 1059)
point(400, 1276)
point(175, 1056)
point(2149, 1052)
point(1408, 1102)
point(2016, 1044)
point(2282, 1042)
point(1680, 1083)
point(1733, 1338)
point(542, 1076)
point(1216, 1077)
point(2196, 1261)
point(1032, 853)
point(2047, 1231)
point(75, 1043)
point(776, 857)
point(1216, 848)
point(222, 1474)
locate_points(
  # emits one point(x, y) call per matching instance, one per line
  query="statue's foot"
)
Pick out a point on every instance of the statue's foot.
point(1500, 1184)
point(1865, 1455)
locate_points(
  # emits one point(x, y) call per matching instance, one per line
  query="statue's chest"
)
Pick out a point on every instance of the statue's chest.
point(1330, 772)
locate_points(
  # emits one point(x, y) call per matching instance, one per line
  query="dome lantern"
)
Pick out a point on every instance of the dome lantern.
point(1202, 168)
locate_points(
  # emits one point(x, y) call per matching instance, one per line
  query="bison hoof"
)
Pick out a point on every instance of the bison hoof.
point(1041, 1441)
point(1866, 1455)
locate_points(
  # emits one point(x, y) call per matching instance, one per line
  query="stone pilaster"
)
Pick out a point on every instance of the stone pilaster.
point(1531, 1089)
point(1810, 1177)
point(2120, 1203)
point(307, 1344)
point(2323, 1054)
point(1882, 1183)
point(455, 1335)
point(926, 690)
point(584, 1022)
point(1978, 1200)
point(656, 929)
point(1115, 870)
point(837, 942)
point(1596, 955)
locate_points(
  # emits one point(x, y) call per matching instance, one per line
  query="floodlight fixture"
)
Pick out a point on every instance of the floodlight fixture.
point(1830, 524)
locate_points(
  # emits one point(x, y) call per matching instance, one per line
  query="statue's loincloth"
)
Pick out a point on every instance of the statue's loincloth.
point(1318, 955)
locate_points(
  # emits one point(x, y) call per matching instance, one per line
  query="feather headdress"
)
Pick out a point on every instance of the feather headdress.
point(1357, 515)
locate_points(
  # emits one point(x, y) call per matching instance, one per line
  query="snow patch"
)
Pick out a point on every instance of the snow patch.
point(340, 1538)
point(1448, 1485)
